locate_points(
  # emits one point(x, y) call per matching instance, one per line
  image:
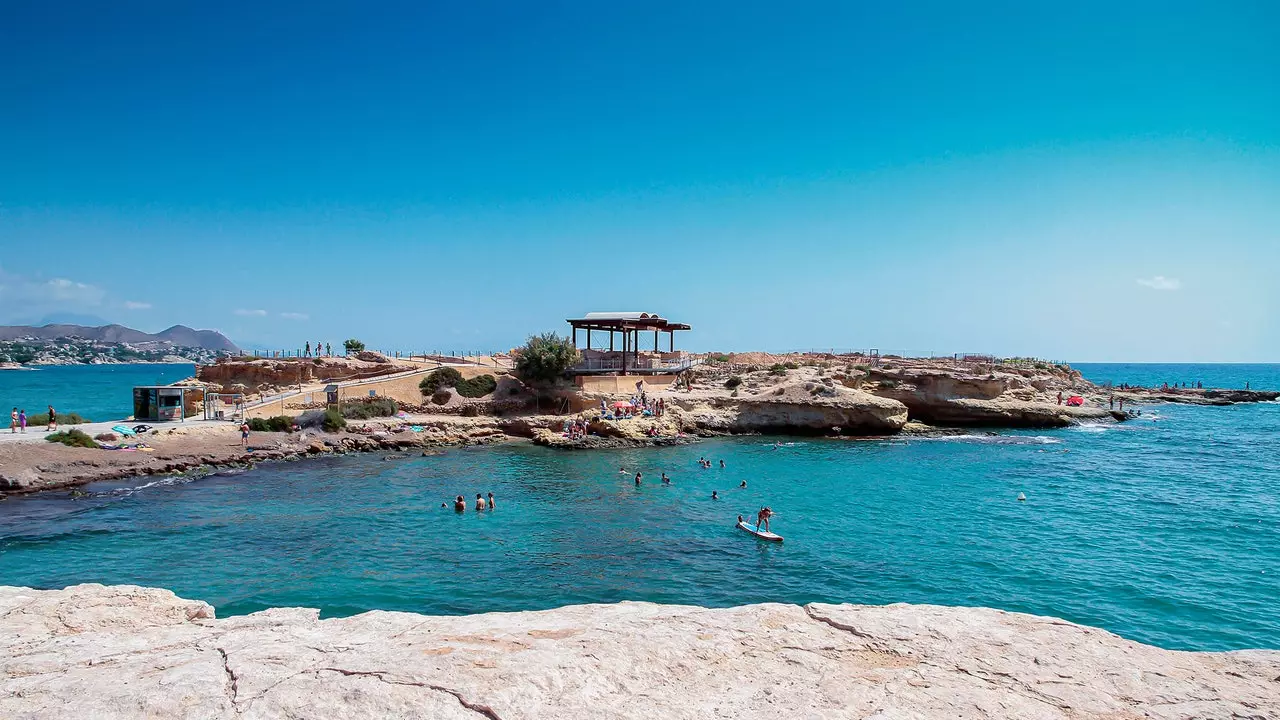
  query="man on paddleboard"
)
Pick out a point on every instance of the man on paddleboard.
point(763, 517)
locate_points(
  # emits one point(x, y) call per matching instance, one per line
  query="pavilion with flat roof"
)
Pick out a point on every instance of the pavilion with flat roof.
point(628, 326)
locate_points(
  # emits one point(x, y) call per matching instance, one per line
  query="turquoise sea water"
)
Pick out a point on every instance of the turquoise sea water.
point(1232, 376)
point(1164, 530)
point(98, 392)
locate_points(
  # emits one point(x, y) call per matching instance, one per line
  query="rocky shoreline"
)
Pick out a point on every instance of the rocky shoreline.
point(822, 398)
point(127, 652)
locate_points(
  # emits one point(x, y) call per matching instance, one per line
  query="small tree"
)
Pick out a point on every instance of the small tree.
point(546, 357)
point(445, 377)
point(353, 346)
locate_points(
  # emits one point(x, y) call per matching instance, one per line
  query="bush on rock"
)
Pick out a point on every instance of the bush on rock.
point(476, 386)
point(72, 438)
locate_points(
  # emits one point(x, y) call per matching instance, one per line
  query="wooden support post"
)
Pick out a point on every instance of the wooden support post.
point(655, 341)
point(588, 338)
point(574, 333)
point(671, 341)
point(624, 353)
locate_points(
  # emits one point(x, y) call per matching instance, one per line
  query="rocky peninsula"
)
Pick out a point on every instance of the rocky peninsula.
point(824, 395)
point(128, 652)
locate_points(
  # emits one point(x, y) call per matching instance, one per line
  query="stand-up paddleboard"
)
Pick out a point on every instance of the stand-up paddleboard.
point(762, 534)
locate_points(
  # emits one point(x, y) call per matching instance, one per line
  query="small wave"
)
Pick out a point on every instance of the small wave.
point(997, 439)
point(163, 482)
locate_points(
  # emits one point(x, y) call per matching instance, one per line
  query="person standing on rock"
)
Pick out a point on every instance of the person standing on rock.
point(1059, 397)
point(22, 419)
point(13, 422)
point(244, 433)
point(53, 418)
point(1112, 401)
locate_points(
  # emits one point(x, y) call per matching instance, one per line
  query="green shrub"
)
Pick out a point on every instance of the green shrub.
point(733, 382)
point(445, 377)
point(333, 420)
point(863, 368)
point(441, 396)
point(790, 365)
point(778, 369)
point(546, 357)
point(476, 386)
point(63, 419)
point(279, 423)
point(72, 438)
point(372, 408)
point(353, 346)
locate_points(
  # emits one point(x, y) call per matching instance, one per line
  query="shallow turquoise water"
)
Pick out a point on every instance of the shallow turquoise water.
point(97, 392)
point(1163, 530)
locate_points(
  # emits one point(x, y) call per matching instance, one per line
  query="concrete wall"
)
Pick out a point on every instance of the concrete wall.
point(622, 385)
point(401, 389)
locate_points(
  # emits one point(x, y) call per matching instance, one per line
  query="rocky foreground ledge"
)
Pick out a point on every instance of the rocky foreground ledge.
point(91, 651)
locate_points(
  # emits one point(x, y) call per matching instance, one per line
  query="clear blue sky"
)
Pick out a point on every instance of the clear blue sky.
point(1079, 181)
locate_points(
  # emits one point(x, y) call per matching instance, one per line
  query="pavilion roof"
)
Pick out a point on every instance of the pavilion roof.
point(625, 321)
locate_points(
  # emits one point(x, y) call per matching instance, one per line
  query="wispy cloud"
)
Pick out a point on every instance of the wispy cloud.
point(64, 290)
point(34, 296)
point(251, 313)
point(295, 316)
point(1160, 282)
point(135, 305)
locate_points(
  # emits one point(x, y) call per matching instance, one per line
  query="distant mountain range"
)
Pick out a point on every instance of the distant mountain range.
point(178, 335)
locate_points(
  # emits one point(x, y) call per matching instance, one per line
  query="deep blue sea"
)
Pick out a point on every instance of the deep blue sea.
point(97, 392)
point(1165, 529)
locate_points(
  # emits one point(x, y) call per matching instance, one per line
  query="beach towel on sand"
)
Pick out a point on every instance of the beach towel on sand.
point(123, 431)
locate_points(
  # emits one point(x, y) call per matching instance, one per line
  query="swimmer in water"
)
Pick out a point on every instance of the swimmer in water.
point(460, 504)
point(741, 521)
point(480, 505)
point(637, 479)
point(665, 480)
point(721, 464)
point(715, 495)
point(622, 471)
point(743, 484)
point(490, 501)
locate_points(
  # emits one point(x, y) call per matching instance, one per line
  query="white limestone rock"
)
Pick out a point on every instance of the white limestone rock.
point(91, 651)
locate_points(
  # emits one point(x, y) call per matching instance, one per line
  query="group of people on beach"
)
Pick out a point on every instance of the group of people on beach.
point(18, 420)
point(482, 503)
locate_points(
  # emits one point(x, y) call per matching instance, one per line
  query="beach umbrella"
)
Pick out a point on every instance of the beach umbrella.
point(622, 404)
